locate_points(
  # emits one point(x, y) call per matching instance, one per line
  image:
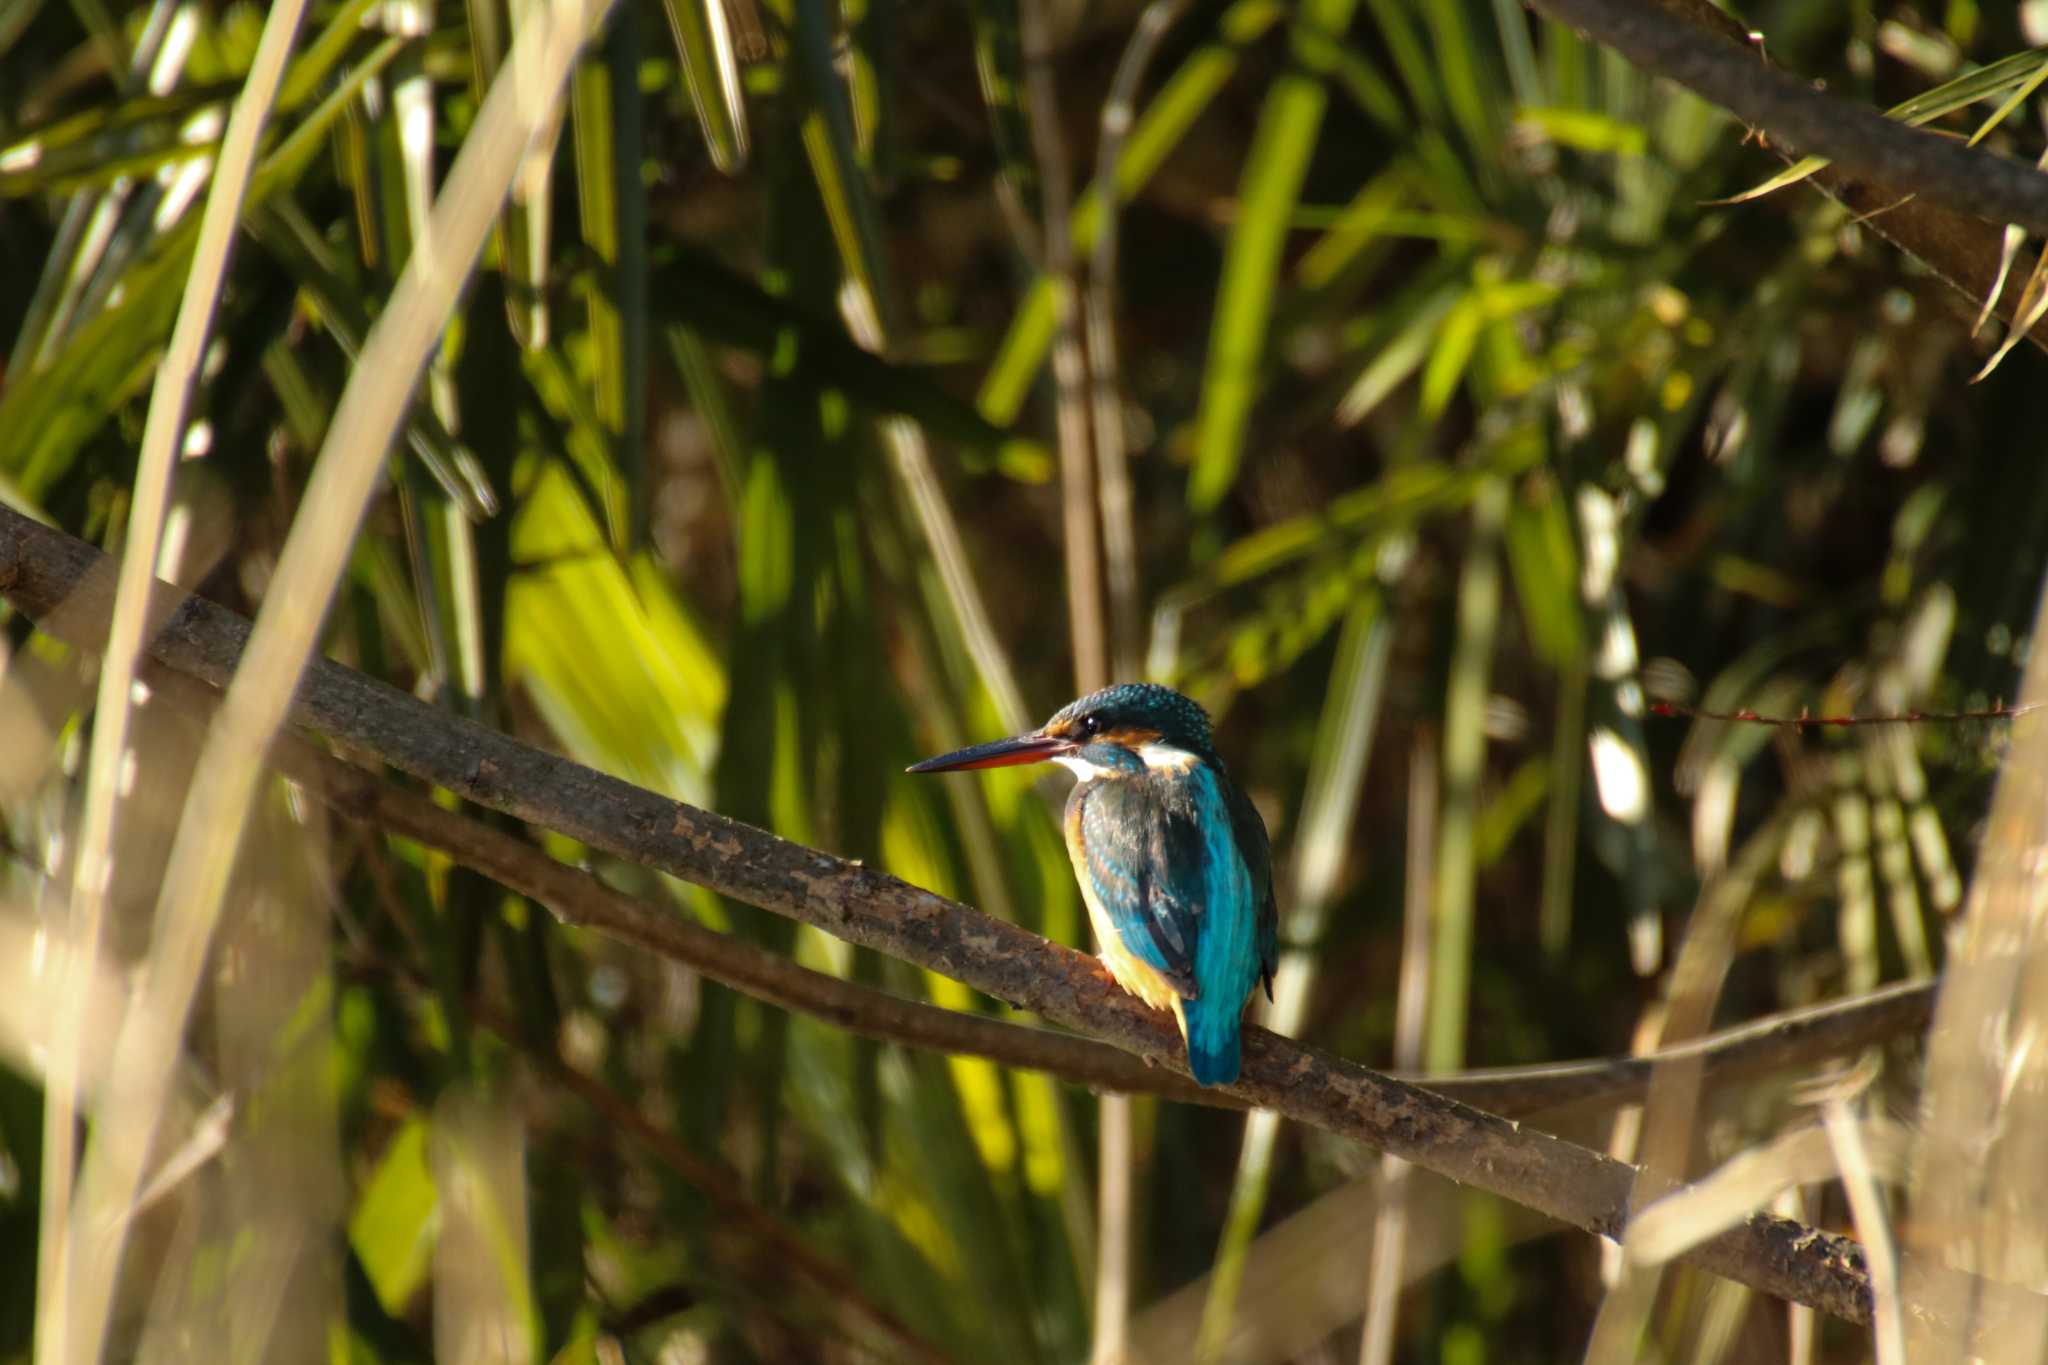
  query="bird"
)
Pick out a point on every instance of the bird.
point(1172, 857)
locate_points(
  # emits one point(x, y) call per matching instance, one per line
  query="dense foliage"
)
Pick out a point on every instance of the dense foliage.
point(1466, 402)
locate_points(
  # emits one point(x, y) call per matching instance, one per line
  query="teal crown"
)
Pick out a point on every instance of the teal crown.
point(1137, 706)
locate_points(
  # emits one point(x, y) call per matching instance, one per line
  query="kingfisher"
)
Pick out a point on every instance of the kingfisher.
point(1171, 855)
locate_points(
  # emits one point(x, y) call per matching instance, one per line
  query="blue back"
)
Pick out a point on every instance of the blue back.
point(1177, 860)
point(1227, 957)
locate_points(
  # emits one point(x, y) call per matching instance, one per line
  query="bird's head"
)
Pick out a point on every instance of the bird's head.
point(1126, 727)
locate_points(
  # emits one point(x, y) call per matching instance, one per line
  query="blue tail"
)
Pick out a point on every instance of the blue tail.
point(1212, 1036)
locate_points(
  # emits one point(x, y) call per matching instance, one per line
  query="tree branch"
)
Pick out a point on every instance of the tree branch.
point(1778, 1042)
point(1774, 1043)
point(580, 899)
point(1858, 139)
point(1884, 189)
point(42, 569)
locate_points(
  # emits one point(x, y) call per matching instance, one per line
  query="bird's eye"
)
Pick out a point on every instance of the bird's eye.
point(1091, 725)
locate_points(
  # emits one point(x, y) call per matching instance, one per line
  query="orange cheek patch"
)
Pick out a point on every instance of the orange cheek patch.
point(1129, 739)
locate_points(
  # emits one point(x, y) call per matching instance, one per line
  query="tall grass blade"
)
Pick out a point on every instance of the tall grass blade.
point(1269, 191)
point(1344, 736)
point(704, 47)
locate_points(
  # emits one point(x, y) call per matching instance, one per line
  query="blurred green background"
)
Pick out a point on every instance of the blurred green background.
point(1459, 410)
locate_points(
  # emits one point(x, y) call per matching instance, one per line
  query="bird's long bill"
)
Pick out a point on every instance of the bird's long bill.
point(1001, 753)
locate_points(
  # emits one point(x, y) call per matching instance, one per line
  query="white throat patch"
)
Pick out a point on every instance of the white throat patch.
point(1166, 758)
point(1078, 766)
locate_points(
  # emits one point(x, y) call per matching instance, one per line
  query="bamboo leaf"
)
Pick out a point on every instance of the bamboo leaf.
point(1165, 122)
point(704, 47)
point(391, 1230)
point(1269, 190)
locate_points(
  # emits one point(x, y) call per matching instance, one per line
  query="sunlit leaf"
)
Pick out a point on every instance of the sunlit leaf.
point(393, 1226)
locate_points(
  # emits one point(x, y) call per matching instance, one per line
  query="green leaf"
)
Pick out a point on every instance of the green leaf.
point(613, 200)
point(1584, 130)
point(392, 1228)
point(704, 46)
point(609, 655)
point(1160, 129)
point(1546, 570)
point(107, 359)
point(1268, 192)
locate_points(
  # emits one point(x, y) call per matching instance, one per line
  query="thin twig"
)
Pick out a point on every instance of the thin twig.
point(1776, 1042)
point(1805, 720)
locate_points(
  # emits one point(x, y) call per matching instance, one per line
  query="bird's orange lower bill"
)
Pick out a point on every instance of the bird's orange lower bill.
point(1001, 753)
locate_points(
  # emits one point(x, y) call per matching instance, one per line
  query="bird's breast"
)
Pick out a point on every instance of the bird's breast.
point(1130, 971)
point(1138, 977)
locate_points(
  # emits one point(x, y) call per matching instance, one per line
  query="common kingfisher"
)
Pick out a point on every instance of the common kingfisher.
point(1171, 856)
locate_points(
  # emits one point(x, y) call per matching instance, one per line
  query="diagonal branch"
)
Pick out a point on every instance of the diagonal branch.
point(1776, 1043)
point(1960, 244)
point(41, 569)
point(1858, 139)
point(580, 899)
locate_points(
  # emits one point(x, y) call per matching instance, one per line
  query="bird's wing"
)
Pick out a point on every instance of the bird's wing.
point(1256, 850)
point(1143, 852)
